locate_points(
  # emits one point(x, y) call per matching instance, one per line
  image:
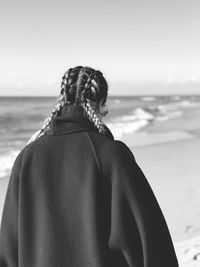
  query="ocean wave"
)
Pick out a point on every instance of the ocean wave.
point(148, 98)
point(130, 123)
point(186, 103)
point(176, 97)
point(6, 162)
point(141, 117)
point(167, 112)
point(117, 101)
point(174, 109)
point(181, 104)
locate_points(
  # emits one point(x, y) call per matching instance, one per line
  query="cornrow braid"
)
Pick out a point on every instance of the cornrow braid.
point(93, 117)
point(65, 84)
point(91, 85)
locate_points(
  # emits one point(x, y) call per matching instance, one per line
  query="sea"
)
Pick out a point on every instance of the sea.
point(21, 117)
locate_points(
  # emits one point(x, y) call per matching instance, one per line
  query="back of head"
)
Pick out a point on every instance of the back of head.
point(81, 84)
point(80, 87)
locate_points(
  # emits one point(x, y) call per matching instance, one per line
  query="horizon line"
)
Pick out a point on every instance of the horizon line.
point(112, 95)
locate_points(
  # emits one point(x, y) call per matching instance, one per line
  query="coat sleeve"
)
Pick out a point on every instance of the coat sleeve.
point(139, 232)
point(9, 220)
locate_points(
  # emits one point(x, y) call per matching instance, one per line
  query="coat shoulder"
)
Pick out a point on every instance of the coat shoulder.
point(111, 152)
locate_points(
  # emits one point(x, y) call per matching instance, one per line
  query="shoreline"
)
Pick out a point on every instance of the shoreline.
point(145, 138)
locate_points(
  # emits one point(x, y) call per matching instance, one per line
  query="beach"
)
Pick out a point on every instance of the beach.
point(168, 153)
point(173, 170)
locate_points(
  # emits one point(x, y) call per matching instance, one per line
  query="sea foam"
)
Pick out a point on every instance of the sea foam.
point(132, 122)
point(6, 162)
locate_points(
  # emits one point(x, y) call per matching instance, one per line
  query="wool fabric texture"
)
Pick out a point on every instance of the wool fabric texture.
point(77, 198)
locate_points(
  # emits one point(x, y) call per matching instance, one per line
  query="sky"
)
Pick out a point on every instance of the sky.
point(141, 46)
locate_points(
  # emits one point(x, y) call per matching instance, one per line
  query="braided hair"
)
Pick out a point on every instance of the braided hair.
point(79, 86)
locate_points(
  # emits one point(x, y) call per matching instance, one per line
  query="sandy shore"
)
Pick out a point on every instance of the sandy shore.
point(173, 171)
point(3, 189)
point(170, 162)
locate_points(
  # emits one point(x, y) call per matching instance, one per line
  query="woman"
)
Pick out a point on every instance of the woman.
point(76, 197)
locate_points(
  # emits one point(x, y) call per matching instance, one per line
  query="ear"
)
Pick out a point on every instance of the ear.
point(94, 105)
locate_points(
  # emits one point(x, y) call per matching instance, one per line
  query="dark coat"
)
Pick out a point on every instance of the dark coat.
point(77, 198)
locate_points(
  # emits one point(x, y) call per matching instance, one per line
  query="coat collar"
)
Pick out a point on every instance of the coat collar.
point(73, 121)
